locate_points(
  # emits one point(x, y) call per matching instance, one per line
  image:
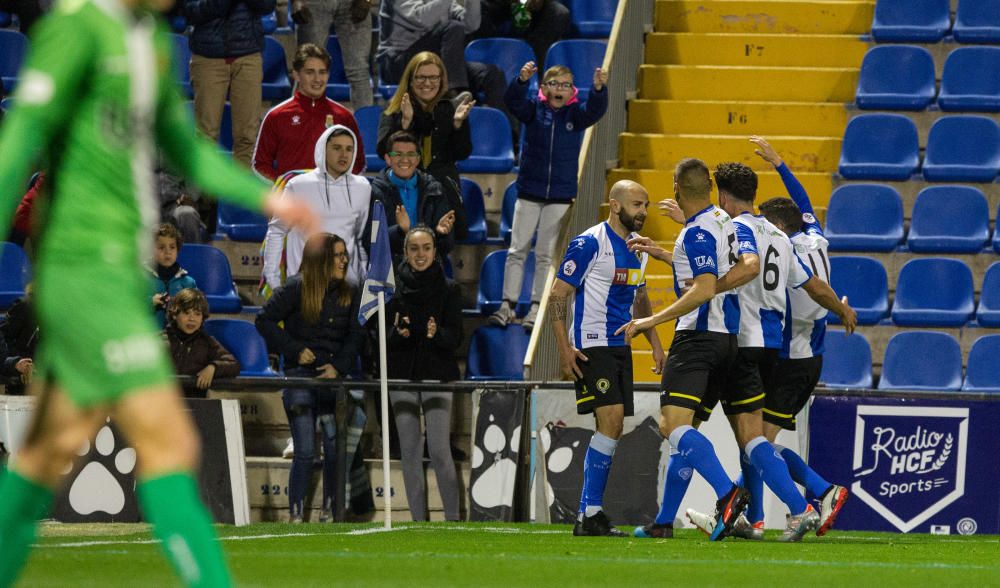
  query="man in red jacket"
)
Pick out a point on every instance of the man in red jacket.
point(290, 130)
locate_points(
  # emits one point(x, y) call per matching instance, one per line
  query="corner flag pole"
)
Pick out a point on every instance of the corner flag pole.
point(384, 379)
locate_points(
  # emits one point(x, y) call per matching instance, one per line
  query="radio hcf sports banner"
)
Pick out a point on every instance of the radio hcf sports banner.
point(912, 465)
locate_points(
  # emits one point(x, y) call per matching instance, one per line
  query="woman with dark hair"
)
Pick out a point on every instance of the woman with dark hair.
point(321, 338)
point(426, 314)
point(441, 127)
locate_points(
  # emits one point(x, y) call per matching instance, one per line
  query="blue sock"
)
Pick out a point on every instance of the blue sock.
point(803, 474)
point(596, 466)
point(751, 480)
point(773, 470)
point(674, 488)
point(698, 451)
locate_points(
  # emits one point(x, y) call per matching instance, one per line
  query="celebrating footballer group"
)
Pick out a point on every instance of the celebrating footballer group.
point(752, 296)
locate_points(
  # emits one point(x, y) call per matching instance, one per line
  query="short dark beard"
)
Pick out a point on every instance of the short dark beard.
point(627, 221)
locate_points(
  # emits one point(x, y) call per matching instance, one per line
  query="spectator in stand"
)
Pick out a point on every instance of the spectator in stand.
point(179, 206)
point(539, 22)
point(409, 27)
point(290, 130)
point(320, 338)
point(340, 199)
point(21, 230)
point(193, 351)
point(167, 277)
point(226, 43)
point(441, 128)
point(426, 313)
point(27, 11)
point(547, 180)
point(352, 21)
point(20, 337)
point(412, 197)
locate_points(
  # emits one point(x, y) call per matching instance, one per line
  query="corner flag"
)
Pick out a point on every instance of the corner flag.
point(380, 275)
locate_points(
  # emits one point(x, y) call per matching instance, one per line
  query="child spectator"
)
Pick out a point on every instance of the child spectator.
point(17, 345)
point(547, 180)
point(168, 277)
point(193, 351)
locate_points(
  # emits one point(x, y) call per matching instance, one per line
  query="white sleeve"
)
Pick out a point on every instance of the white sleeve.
point(798, 273)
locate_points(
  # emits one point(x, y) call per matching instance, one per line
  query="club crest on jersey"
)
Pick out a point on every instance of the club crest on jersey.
point(569, 267)
point(808, 218)
point(909, 462)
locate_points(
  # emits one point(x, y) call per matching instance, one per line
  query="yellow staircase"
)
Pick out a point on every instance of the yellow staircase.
point(717, 71)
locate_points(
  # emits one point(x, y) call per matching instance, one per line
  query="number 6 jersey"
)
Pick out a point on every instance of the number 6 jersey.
point(707, 245)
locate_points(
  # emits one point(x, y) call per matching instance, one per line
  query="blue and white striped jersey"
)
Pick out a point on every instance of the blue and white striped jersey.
point(762, 300)
point(606, 275)
point(707, 244)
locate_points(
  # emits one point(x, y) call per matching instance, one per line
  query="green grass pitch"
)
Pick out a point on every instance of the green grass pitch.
point(475, 554)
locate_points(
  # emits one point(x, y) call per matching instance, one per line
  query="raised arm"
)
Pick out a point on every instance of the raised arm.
point(792, 184)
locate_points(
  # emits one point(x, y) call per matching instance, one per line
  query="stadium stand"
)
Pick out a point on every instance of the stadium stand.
point(15, 273)
point(977, 21)
point(5, 19)
point(963, 148)
point(896, 77)
point(490, 293)
point(964, 87)
point(949, 219)
point(922, 360)
point(922, 300)
point(337, 88)
point(475, 212)
point(243, 341)
point(864, 217)
point(581, 56)
point(982, 372)
point(592, 19)
point(240, 224)
point(276, 86)
point(865, 283)
point(507, 212)
point(879, 147)
point(13, 48)
point(497, 353)
point(988, 312)
point(847, 361)
point(210, 269)
point(368, 118)
point(488, 157)
point(182, 64)
point(507, 54)
point(911, 21)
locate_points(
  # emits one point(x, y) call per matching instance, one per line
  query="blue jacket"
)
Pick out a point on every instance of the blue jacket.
point(226, 28)
point(178, 282)
point(549, 158)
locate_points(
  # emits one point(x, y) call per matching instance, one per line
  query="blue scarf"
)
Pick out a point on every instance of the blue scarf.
point(408, 194)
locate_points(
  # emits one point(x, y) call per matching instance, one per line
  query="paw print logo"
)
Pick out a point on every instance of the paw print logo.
point(495, 486)
point(101, 485)
point(564, 449)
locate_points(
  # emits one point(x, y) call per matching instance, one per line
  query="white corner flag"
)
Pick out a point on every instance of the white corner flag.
point(379, 287)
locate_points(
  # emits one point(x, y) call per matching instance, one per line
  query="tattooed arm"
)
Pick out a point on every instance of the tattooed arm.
point(558, 311)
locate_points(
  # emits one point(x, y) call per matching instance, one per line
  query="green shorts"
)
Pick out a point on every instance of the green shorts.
point(99, 341)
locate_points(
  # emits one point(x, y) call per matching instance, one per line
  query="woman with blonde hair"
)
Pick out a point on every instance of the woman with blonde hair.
point(441, 127)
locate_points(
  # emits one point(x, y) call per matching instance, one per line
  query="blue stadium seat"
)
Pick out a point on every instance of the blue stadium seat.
point(276, 86)
point(592, 18)
point(581, 56)
point(210, 269)
point(5, 19)
point(911, 21)
point(226, 128)
point(949, 219)
point(879, 147)
point(182, 55)
point(7, 103)
point(988, 313)
point(178, 23)
point(243, 341)
point(240, 224)
point(977, 21)
point(337, 87)
point(865, 283)
point(13, 47)
point(963, 85)
point(847, 361)
point(507, 54)
point(492, 152)
point(491, 283)
point(962, 149)
point(933, 292)
point(922, 360)
point(270, 22)
point(896, 77)
point(368, 118)
point(507, 211)
point(864, 217)
point(982, 371)
point(475, 212)
point(497, 353)
point(15, 273)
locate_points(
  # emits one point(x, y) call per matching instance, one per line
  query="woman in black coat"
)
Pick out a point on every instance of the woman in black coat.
point(426, 314)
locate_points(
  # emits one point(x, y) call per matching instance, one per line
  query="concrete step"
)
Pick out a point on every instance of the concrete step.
point(774, 84)
point(715, 117)
point(773, 50)
point(772, 16)
point(802, 154)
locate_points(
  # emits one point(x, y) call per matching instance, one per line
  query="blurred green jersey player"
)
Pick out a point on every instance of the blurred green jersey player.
point(95, 97)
